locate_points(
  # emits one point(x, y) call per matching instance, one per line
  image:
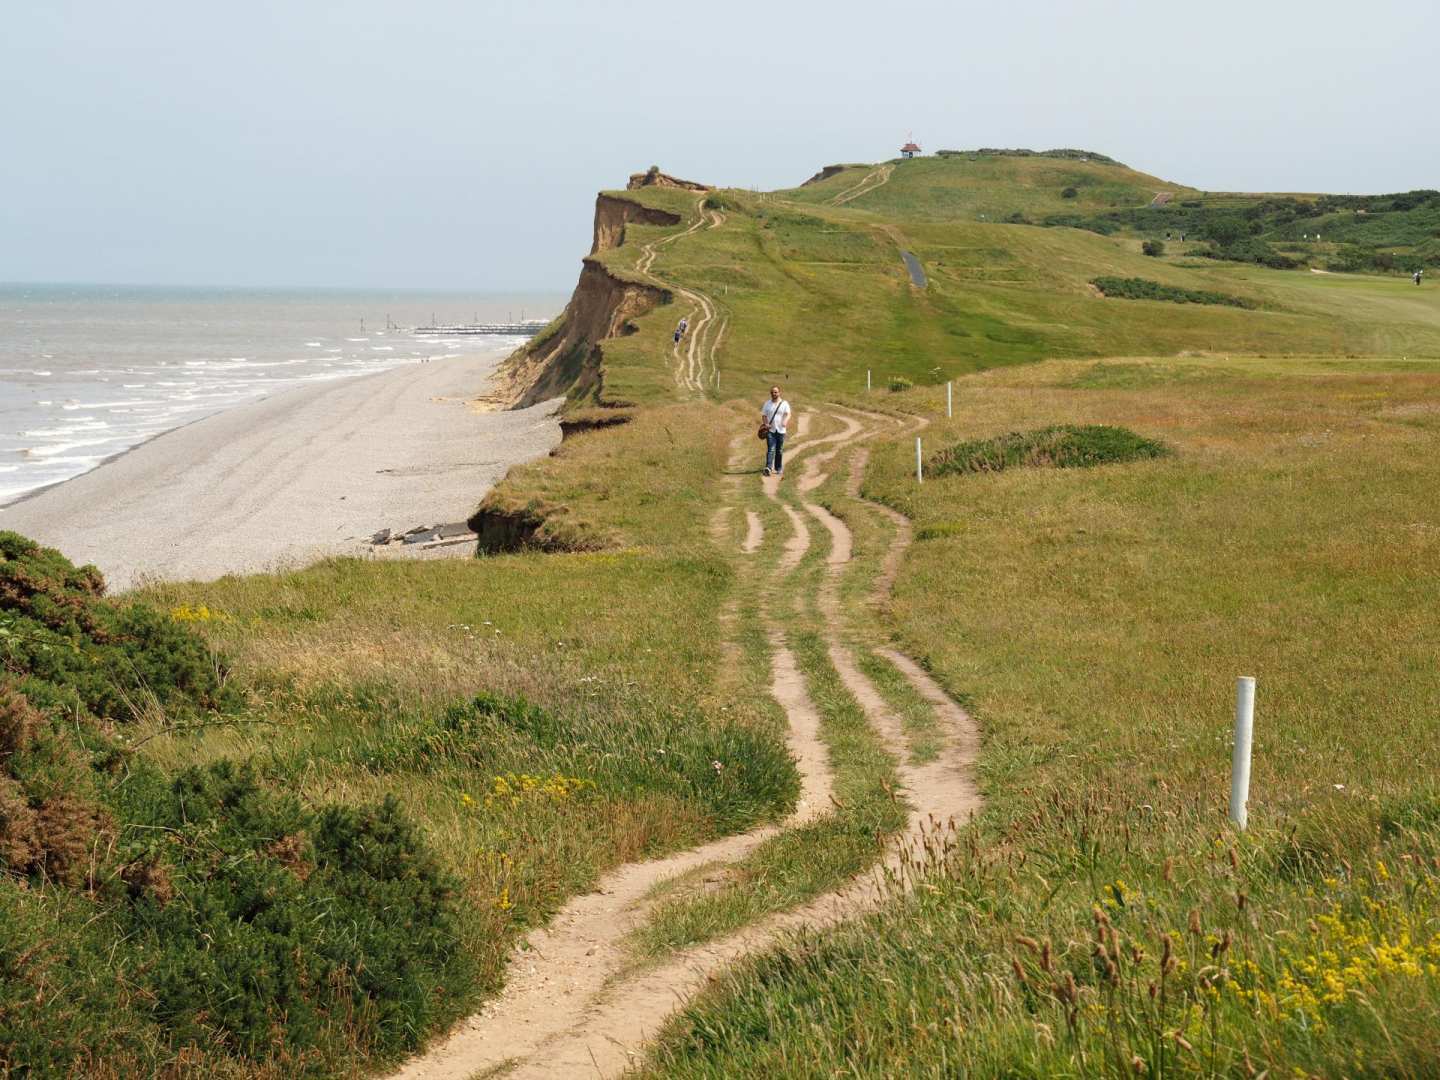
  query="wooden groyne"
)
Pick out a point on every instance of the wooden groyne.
point(520, 329)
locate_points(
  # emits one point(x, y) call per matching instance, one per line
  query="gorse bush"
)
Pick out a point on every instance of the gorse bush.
point(71, 647)
point(263, 922)
point(202, 919)
point(1153, 248)
point(1059, 447)
point(1143, 289)
point(1263, 230)
point(899, 383)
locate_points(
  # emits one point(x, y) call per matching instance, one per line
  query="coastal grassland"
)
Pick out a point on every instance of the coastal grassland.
point(1102, 918)
point(965, 187)
point(814, 295)
point(540, 718)
point(807, 860)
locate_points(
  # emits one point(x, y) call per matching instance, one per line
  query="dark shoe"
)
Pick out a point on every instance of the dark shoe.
point(765, 471)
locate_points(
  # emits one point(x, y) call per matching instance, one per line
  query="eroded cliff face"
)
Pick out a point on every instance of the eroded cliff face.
point(824, 174)
point(653, 177)
point(612, 215)
point(567, 356)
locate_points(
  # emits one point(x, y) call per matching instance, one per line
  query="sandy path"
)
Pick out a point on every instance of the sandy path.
point(869, 183)
point(309, 472)
point(556, 982)
point(693, 356)
point(563, 1016)
point(754, 533)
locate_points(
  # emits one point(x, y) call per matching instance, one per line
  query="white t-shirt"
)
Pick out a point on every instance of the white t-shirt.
point(776, 414)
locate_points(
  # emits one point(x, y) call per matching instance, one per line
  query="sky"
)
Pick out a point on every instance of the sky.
point(458, 145)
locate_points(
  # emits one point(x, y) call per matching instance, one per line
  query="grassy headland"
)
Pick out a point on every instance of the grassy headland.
point(541, 716)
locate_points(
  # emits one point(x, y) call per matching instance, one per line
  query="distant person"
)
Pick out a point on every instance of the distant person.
point(680, 328)
point(1418, 275)
point(774, 416)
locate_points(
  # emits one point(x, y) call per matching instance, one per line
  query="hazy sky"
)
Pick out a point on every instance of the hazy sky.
point(459, 145)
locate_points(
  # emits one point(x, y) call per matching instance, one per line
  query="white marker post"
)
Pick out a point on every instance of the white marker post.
point(949, 400)
point(920, 468)
point(1240, 764)
point(867, 380)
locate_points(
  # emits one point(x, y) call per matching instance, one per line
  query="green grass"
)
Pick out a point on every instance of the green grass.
point(1094, 620)
point(994, 186)
point(357, 681)
point(1097, 620)
point(799, 863)
point(1142, 289)
point(1059, 446)
point(802, 862)
point(816, 294)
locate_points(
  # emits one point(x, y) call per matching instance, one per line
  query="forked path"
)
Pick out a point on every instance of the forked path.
point(693, 363)
point(872, 180)
point(572, 1004)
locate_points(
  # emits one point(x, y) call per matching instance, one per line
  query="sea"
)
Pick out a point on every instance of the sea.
point(89, 371)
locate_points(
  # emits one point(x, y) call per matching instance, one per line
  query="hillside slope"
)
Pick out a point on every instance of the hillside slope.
point(807, 285)
point(695, 709)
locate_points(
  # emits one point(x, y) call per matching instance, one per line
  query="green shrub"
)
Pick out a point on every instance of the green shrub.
point(1143, 289)
point(202, 920)
point(1069, 193)
point(1063, 446)
point(73, 647)
point(899, 383)
point(261, 922)
point(1153, 248)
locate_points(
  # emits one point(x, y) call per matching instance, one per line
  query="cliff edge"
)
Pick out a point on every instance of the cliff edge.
point(566, 356)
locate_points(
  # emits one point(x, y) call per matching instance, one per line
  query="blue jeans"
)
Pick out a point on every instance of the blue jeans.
point(775, 450)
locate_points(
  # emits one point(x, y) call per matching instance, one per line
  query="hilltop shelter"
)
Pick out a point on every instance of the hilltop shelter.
point(909, 150)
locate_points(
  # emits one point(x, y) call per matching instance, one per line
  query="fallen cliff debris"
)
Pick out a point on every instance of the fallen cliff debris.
point(653, 177)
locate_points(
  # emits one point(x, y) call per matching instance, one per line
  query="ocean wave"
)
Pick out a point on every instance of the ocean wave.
point(63, 432)
point(52, 453)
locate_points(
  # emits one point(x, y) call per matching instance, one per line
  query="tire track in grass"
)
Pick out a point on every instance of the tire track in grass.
point(693, 363)
point(556, 983)
point(562, 1016)
point(872, 180)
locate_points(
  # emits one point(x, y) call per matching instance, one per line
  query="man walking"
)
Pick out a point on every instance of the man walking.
point(774, 415)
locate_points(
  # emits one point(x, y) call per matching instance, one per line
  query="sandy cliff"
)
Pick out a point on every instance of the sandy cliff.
point(566, 357)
